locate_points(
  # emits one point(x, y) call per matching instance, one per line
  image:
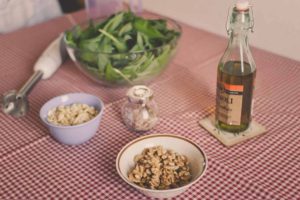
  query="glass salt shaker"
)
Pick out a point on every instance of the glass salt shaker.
point(140, 111)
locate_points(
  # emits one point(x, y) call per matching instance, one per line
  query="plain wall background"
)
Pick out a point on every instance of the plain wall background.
point(276, 29)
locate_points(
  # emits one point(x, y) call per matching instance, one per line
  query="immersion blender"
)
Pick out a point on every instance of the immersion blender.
point(14, 102)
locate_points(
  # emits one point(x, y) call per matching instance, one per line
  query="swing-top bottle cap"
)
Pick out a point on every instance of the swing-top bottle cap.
point(242, 5)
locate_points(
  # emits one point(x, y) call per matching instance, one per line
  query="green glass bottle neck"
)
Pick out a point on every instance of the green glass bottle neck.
point(238, 26)
point(240, 22)
point(238, 37)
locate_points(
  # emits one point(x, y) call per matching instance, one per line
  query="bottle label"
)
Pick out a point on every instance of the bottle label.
point(230, 101)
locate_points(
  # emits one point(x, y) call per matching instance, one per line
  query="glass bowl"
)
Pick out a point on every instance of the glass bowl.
point(128, 68)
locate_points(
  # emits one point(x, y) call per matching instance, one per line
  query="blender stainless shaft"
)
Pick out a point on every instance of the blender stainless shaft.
point(32, 81)
point(16, 103)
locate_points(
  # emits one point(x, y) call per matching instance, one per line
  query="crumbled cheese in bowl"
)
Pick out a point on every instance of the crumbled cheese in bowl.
point(71, 115)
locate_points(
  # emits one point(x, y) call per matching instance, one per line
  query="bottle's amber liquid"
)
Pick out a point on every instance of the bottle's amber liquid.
point(232, 73)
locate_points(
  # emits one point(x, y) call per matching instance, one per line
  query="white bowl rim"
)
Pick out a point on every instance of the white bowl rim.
point(78, 125)
point(161, 135)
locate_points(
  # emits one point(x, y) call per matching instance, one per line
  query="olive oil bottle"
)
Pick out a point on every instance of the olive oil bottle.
point(236, 73)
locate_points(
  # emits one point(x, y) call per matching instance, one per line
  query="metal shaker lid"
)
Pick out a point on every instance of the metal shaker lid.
point(139, 94)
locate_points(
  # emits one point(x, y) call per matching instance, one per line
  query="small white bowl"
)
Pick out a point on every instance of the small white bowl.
point(181, 145)
point(73, 135)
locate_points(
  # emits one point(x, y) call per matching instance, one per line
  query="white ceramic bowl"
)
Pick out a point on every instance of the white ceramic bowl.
point(73, 135)
point(181, 145)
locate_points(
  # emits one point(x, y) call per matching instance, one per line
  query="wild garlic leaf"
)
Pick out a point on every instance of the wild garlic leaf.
point(145, 27)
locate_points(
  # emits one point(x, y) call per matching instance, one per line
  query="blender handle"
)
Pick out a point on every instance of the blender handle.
point(52, 58)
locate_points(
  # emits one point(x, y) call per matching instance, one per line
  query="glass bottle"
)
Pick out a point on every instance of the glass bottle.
point(139, 113)
point(236, 73)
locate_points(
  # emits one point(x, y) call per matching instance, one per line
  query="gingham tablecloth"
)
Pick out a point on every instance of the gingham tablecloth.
point(34, 166)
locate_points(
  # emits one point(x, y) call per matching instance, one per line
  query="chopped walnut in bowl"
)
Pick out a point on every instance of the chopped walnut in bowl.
point(158, 168)
point(161, 165)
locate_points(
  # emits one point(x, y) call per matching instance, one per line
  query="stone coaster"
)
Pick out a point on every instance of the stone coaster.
point(229, 139)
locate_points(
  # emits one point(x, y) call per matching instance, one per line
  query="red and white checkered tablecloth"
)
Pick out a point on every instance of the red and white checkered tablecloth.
point(34, 166)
